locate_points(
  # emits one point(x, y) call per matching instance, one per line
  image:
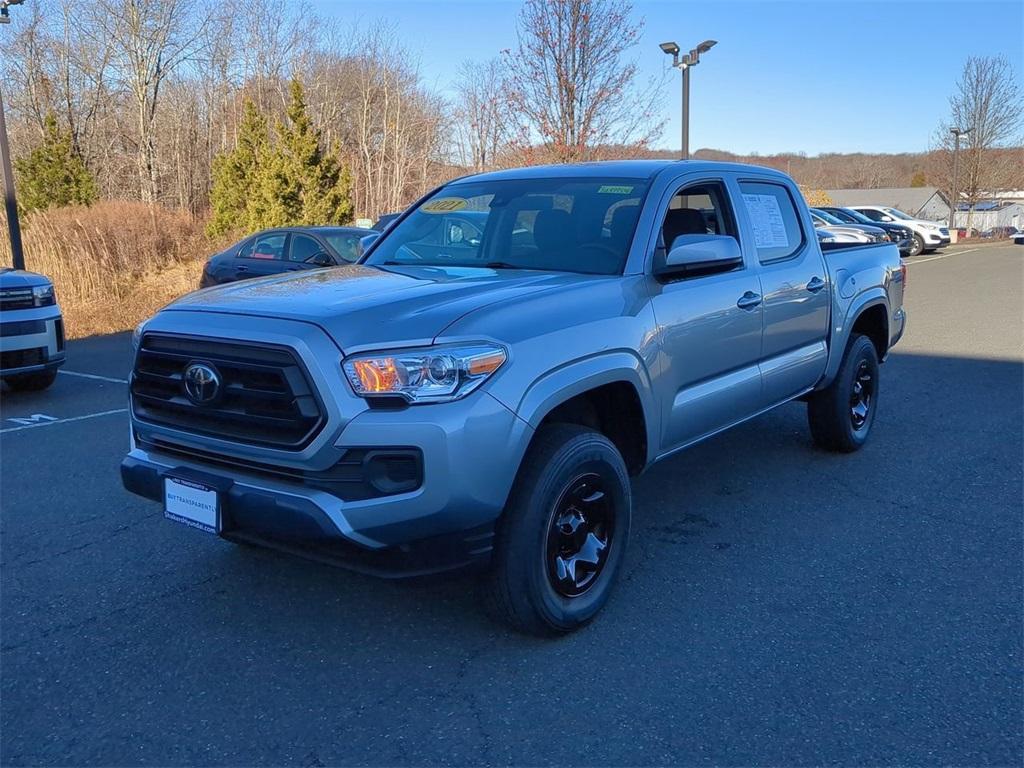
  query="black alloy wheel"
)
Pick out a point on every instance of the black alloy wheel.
point(862, 395)
point(579, 535)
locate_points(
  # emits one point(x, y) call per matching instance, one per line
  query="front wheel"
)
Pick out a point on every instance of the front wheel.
point(841, 415)
point(561, 539)
point(916, 245)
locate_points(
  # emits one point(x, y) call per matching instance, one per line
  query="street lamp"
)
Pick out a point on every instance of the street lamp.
point(683, 64)
point(6, 173)
point(955, 202)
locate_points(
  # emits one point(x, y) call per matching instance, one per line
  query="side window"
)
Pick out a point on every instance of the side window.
point(268, 246)
point(303, 248)
point(773, 217)
point(700, 209)
point(873, 215)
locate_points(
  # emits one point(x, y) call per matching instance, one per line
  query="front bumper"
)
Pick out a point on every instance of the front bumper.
point(306, 524)
point(31, 340)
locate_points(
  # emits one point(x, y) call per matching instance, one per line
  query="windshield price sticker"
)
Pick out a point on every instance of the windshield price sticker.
point(443, 205)
point(614, 189)
point(766, 216)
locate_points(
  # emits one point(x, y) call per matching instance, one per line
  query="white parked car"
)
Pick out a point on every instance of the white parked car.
point(928, 235)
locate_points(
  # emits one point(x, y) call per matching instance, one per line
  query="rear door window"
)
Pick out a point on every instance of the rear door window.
point(268, 247)
point(774, 220)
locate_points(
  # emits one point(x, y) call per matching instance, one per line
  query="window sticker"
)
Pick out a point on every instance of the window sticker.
point(614, 189)
point(443, 205)
point(766, 217)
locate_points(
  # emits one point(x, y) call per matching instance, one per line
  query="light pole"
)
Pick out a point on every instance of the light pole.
point(10, 204)
point(955, 202)
point(683, 64)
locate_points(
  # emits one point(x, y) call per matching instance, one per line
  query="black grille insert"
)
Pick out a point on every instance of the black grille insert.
point(265, 399)
point(16, 298)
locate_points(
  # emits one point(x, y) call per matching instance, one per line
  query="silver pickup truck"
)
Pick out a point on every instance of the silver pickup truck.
point(480, 388)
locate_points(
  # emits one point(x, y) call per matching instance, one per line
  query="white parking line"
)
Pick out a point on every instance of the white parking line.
point(943, 256)
point(92, 376)
point(63, 421)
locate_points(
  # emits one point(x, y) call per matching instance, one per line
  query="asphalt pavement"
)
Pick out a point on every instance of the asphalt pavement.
point(780, 606)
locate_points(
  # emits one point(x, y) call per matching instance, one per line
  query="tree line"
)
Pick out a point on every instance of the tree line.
point(209, 106)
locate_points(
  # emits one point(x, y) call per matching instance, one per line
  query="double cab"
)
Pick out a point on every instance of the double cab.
point(483, 397)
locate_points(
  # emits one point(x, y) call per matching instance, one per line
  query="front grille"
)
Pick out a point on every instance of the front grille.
point(265, 397)
point(16, 298)
point(944, 231)
point(20, 358)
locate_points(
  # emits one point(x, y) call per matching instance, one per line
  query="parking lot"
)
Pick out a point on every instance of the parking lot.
point(781, 605)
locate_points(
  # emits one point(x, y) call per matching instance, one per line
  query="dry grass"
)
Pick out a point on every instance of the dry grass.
point(114, 263)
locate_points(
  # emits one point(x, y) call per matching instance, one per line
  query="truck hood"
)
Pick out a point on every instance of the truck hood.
point(362, 307)
point(19, 278)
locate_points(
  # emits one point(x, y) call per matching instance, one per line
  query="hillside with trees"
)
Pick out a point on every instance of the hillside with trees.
point(209, 112)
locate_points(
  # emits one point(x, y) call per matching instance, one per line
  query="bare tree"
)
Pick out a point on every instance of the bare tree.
point(571, 84)
point(152, 38)
point(480, 113)
point(987, 101)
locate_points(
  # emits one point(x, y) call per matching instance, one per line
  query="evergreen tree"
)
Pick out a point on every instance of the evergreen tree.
point(54, 174)
point(236, 194)
point(301, 182)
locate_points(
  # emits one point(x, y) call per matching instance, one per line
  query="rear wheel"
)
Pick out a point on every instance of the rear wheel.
point(31, 381)
point(561, 539)
point(841, 415)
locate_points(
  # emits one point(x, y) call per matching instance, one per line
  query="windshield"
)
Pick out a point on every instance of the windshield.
point(556, 224)
point(898, 214)
point(826, 217)
point(345, 244)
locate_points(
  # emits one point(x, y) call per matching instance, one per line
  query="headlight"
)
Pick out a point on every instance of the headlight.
point(425, 375)
point(44, 296)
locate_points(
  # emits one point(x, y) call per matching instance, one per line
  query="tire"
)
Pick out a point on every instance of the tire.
point(841, 415)
point(543, 580)
point(917, 245)
point(32, 382)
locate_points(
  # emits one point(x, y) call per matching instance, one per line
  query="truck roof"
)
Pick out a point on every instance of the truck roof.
point(632, 169)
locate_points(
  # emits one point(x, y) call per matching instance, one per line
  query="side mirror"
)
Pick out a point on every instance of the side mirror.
point(321, 259)
point(366, 241)
point(887, 218)
point(701, 254)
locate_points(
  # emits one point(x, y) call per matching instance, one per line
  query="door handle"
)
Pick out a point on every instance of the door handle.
point(816, 284)
point(241, 268)
point(749, 300)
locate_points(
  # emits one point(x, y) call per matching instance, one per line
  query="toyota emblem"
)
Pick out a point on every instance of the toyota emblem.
point(202, 383)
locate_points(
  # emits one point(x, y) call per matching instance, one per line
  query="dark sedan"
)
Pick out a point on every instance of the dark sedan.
point(899, 234)
point(286, 249)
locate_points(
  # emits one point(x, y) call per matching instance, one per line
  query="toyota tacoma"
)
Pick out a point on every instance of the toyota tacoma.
point(482, 398)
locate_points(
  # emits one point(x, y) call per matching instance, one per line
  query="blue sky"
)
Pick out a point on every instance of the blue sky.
point(820, 76)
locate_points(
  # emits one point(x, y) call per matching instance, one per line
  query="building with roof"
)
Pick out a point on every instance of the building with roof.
point(921, 202)
point(988, 214)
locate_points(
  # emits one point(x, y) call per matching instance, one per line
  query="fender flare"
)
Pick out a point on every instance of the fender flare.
point(560, 384)
point(841, 331)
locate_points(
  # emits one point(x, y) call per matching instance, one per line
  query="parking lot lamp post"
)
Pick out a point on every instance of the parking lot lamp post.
point(955, 202)
point(683, 64)
point(10, 204)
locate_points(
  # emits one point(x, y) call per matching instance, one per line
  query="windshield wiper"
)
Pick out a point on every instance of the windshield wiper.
point(507, 265)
